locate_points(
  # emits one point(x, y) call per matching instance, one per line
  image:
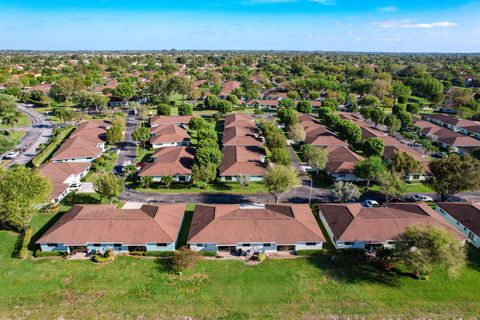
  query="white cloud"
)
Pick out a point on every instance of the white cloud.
point(408, 24)
point(388, 9)
point(324, 2)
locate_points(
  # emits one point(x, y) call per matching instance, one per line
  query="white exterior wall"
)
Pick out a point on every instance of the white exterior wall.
point(60, 247)
point(87, 159)
point(473, 238)
point(207, 247)
point(235, 178)
point(303, 246)
point(153, 247)
point(171, 144)
point(410, 177)
point(257, 246)
point(175, 178)
point(350, 245)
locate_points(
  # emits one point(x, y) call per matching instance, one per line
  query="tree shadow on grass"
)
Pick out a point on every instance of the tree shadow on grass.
point(473, 257)
point(43, 229)
point(184, 229)
point(353, 268)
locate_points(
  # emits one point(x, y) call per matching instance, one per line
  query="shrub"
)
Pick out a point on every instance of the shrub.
point(42, 254)
point(159, 253)
point(164, 110)
point(136, 253)
point(107, 256)
point(309, 252)
point(26, 237)
point(261, 256)
point(184, 259)
point(51, 208)
point(208, 253)
point(185, 109)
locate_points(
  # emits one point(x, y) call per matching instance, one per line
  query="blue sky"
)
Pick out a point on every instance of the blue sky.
point(344, 25)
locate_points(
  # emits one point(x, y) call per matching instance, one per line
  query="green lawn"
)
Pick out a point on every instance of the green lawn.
point(411, 187)
point(23, 121)
point(53, 146)
point(219, 187)
point(105, 163)
point(303, 288)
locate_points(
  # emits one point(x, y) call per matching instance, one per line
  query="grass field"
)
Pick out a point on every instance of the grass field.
point(411, 187)
point(219, 187)
point(303, 288)
point(23, 121)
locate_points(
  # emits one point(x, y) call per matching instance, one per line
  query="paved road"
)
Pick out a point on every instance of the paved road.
point(38, 133)
point(128, 149)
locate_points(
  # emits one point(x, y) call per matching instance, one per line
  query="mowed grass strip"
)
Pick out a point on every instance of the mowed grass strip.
point(306, 287)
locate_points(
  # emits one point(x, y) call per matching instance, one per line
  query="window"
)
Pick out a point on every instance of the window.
point(348, 243)
point(311, 244)
point(471, 236)
point(246, 245)
point(97, 245)
point(161, 244)
point(117, 245)
point(267, 245)
point(201, 245)
point(51, 244)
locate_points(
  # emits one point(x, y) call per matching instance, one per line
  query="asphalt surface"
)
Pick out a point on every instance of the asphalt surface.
point(128, 148)
point(38, 133)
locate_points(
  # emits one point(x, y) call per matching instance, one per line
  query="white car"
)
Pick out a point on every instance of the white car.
point(75, 186)
point(371, 203)
point(11, 155)
point(421, 197)
point(126, 163)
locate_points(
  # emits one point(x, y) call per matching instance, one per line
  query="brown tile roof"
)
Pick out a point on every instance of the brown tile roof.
point(168, 133)
point(455, 139)
point(352, 222)
point(241, 136)
point(447, 119)
point(231, 224)
point(389, 151)
point(228, 87)
point(171, 161)
point(242, 160)
point(318, 135)
point(239, 120)
point(58, 172)
point(467, 214)
point(83, 142)
point(164, 120)
point(97, 223)
point(341, 159)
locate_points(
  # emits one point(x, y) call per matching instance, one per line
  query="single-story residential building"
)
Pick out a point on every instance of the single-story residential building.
point(448, 121)
point(97, 227)
point(341, 163)
point(351, 226)
point(62, 175)
point(255, 228)
point(241, 160)
point(463, 216)
point(85, 144)
point(240, 120)
point(320, 136)
point(228, 87)
point(241, 136)
point(166, 120)
point(424, 160)
point(175, 162)
point(371, 132)
point(170, 135)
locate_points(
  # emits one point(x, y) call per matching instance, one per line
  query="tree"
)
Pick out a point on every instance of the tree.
point(344, 191)
point(164, 109)
point(146, 181)
point(377, 116)
point(142, 135)
point(21, 191)
point(316, 157)
point(204, 173)
point(197, 123)
point(233, 99)
point(124, 91)
point(224, 106)
point(304, 106)
point(208, 154)
point(92, 100)
point(373, 147)
point(286, 103)
point(280, 156)
point(380, 88)
point(413, 108)
point(280, 179)
point(403, 163)
point(287, 116)
point(369, 169)
point(64, 89)
point(108, 185)
point(393, 123)
point(167, 181)
point(114, 134)
point(453, 174)
point(243, 180)
point(347, 130)
point(185, 110)
point(424, 248)
point(392, 186)
point(211, 101)
point(296, 132)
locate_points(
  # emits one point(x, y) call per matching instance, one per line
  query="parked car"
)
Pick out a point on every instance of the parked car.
point(371, 203)
point(11, 155)
point(439, 155)
point(75, 186)
point(421, 197)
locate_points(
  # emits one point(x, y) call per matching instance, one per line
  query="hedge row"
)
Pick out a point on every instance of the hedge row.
point(41, 254)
